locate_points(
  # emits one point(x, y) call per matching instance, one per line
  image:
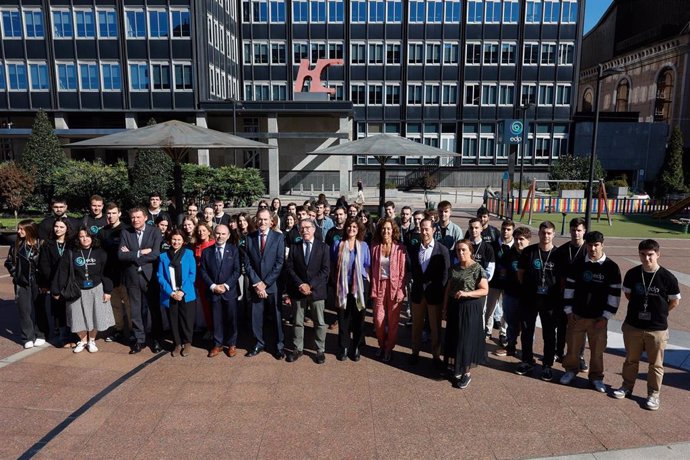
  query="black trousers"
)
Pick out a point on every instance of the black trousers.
point(561, 327)
point(225, 323)
point(181, 317)
point(33, 312)
point(144, 298)
point(548, 331)
point(351, 325)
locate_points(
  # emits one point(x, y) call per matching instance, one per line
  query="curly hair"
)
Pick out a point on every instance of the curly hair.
point(378, 236)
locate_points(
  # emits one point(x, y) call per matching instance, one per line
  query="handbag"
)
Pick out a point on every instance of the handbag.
point(71, 291)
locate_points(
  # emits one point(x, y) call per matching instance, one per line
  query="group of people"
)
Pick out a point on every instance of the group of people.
point(286, 263)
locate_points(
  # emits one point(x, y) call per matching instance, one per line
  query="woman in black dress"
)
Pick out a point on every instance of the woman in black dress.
point(463, 309)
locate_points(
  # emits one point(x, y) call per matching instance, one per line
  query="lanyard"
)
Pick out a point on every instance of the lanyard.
point(476, 251)
point(647, 288)
point(543, 265)
point(86, 262)
point(570, 252)
point(60, 249)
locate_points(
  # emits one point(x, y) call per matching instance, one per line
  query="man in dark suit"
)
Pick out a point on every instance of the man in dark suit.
point(265, 255)
point(429, 277)
point(139, 249)
point(308, 265)
point(220, 270)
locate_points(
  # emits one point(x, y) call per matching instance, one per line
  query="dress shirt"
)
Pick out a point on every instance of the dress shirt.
point(425, 254)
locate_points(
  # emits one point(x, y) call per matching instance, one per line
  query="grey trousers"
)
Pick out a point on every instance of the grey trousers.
point(317, 307)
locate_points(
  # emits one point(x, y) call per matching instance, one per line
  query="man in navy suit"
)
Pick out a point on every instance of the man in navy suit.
point(265, 255)
point(220, 270)
point(308, 266)
point(139, 249)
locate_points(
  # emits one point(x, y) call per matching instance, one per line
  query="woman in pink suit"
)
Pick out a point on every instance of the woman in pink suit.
point(388, 258)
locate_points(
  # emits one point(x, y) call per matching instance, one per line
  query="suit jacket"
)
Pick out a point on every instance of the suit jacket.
point(151, 239)
point(430, 284)
point(315, 274)
point(188, 277)
point(228, 273)
point(266, 267)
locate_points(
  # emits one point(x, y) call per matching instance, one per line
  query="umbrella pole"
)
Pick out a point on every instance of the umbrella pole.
point(382, 185)
point(177, 181)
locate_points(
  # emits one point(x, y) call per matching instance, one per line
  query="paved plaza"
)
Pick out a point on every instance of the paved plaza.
point(55, 404)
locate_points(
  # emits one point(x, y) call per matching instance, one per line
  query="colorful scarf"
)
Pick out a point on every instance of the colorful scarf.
point(343, 288)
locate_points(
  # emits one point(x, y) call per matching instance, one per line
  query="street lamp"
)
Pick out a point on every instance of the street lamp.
point(525, 107)
point(601, 75)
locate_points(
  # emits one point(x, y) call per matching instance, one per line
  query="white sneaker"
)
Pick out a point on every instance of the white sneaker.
point(652, 403)
point(599, 386)
point(621, 393)
point(80, 347)
point(39, 342)
point(91, 346)
point(29, 344)
point(567, 378)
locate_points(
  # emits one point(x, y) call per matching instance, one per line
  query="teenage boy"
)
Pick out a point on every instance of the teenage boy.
point(501, 249)
point(447, 233)
point(652, 292)
point(58, 206)
point(592, 295)
point(322, 221)
point(219, 216)
point(406, 222)
point(154, 210)
point(95, 220)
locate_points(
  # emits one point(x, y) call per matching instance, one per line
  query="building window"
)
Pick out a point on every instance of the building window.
point(181, 24)
point(16, 77)
point(259, 11)
point(161, 76)
point(533, 15)
point(299, 51)
point(260, 53)
point(490, 53)
point(86, 24)
point(452, 11)
point(489, 94)
point(39, 77)
point(89, 80)
point(470, 137)
point(262, 92)
point(279, 92)
point(473, 53)
point(415, 53)
point(487, 143)
point(359, 11)
point(11, 24)
point(358, 53)
point(183, 77)
point(563, 94)
point(158, 24)
point(62, 24)
point(339, 91)
point(67, 77)
point(393, 51)
point(376, 53)
point(622, 95)
point(528, 94)
point(111, 76)
point(414, 93)
point(432, 94)
point(375, 94)
point(392, 95)
point(569, 11)
point(358, 93)
point(587, 101)
point(377, 11)
point(506, 95)
point(492, 13)
point(139, 77)
point(552, 12)
point(451, 53)
point(508, 53)
point(33, 20)
point(278, 53)
point(664, 95)
point(548, 53)
point(531, 54)
point(300, 11)
point(318, 11)
point(107, 24)
point(565, 53)
point(136, 23)
point(472, 93)
point(545, 95)
point(511, 11)
point(417, 11)
point(449, 94)
point(433, 53)
point(335, 50)
point(318, 51)
point(434, 11)
point(277, 11)
point(475, 11)
point(336, 11)
point(394, 11)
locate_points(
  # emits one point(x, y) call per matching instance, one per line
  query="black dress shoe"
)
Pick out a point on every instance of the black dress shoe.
point(320, 358)
point(356, 355)
point(294, 356)
point(136, 348)
point(156, 347)
point(413, 359)
point(254, 351)
point(280, 354)
point(342, 356)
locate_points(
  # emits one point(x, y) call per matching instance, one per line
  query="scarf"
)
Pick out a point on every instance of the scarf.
point(176, 264)
point(357, 288)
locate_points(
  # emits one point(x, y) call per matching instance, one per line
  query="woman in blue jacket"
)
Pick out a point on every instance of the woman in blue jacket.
point(176, 275)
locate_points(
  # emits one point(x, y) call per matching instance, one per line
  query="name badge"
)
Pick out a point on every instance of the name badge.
point(87, 284)
point(644, 316)
point(543, 290)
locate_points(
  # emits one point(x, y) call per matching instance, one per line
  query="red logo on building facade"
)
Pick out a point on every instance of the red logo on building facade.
point(315, 75)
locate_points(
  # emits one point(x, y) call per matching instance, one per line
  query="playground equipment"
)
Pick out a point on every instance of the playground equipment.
point(673, 209)
point(531, 194)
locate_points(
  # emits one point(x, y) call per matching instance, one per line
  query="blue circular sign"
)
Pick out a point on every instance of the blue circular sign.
point(516, 128)
point(80, 262)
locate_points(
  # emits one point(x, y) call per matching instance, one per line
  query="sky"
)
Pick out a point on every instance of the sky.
point(594, 9)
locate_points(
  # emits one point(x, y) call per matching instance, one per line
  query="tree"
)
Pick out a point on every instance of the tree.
point(152, 172)
point(78, 180)
point(569, 167)
point(42, 155)
point(228, 183)
point(16, 185)
point(671, 177)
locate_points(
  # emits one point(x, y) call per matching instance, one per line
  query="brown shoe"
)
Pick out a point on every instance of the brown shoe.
point(185, 350)
point(231, 351)
point(215, 351)
point(176, 351)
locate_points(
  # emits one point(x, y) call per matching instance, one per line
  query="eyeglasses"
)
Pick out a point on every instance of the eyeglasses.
point(263, 206)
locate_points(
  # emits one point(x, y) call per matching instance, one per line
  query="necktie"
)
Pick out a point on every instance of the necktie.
point(139, 235)
point(307, 252)
point(219, 256)
point(263, 243)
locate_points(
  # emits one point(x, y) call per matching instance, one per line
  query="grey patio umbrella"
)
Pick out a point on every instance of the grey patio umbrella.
point(382, 147)
point(175, 138)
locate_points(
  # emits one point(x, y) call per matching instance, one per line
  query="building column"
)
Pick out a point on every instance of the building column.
point(273, 158)
point(345, 180)
point(202, 155)
point(131, 123)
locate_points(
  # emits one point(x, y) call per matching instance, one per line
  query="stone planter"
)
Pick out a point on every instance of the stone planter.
point(571, 194)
